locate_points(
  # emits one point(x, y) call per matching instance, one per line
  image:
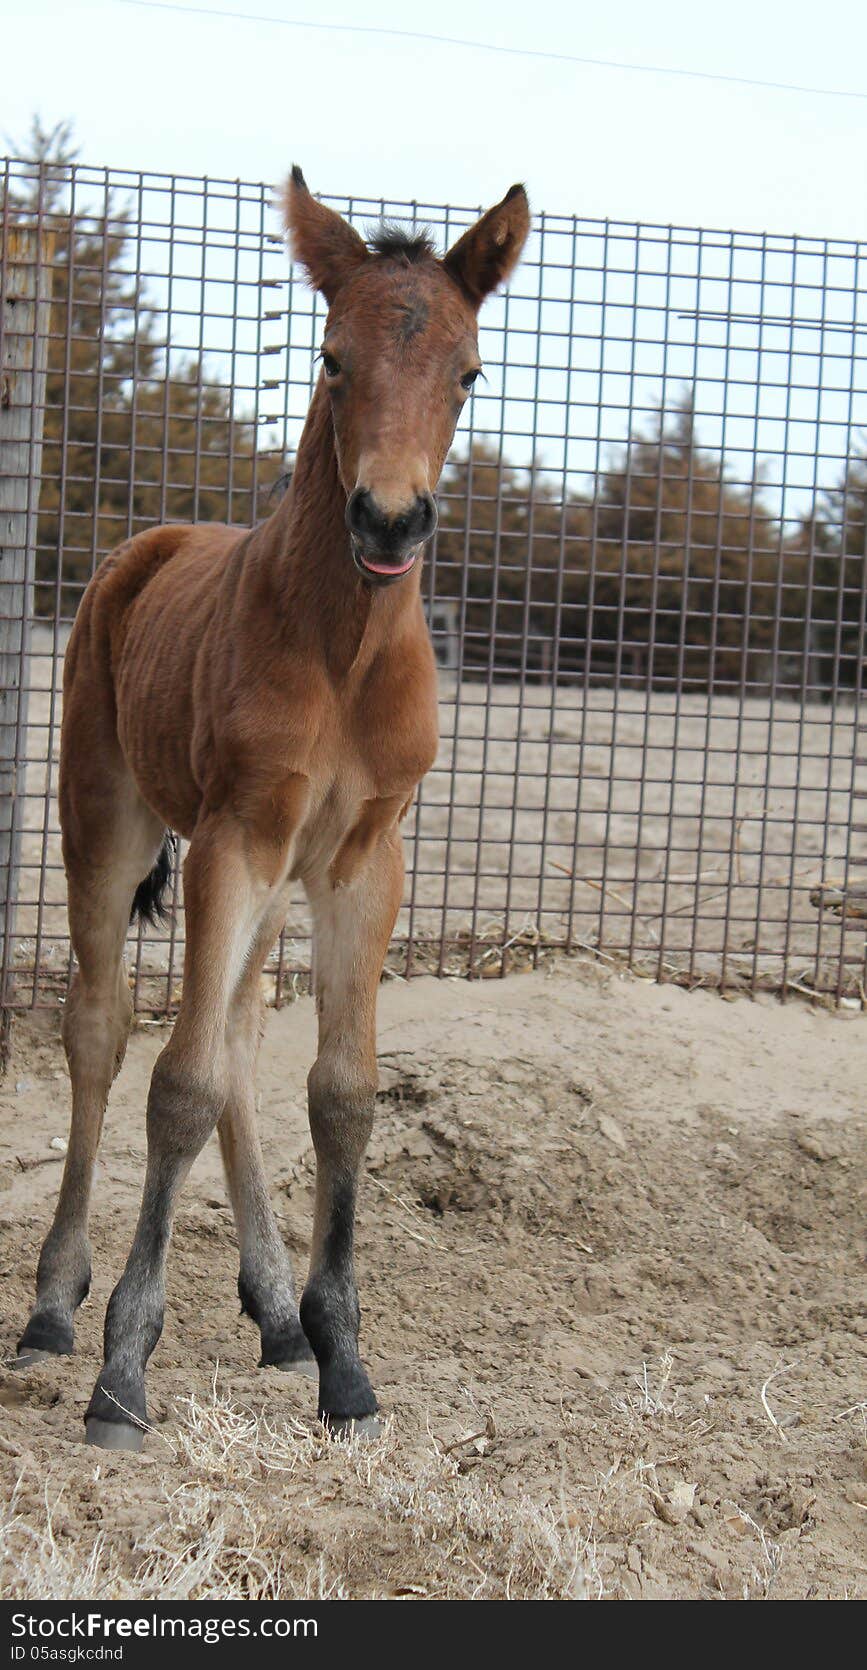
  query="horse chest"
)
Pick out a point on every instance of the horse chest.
point(340, 827)
point(361, 785)
point(390, 725)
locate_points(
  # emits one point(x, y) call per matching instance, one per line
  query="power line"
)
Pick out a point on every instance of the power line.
point(494, 46)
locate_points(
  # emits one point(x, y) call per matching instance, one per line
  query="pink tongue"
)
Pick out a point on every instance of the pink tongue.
point(387, 567)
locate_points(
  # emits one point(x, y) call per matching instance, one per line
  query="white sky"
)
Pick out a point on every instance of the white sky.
point(406, 119)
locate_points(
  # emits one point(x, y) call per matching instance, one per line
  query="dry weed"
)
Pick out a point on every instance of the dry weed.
point(233, 1528)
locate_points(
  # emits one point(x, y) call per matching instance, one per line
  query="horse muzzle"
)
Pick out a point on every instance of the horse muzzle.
point(386, 548)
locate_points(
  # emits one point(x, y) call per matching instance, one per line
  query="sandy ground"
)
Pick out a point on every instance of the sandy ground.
point(690, 839)
point(613, 1306)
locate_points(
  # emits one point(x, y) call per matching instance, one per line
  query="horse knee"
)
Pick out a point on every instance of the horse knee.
point(95, 1030)
point(340, 1104)
point(183, 1109)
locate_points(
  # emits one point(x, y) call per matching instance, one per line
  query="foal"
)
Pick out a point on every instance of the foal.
point(271, 696)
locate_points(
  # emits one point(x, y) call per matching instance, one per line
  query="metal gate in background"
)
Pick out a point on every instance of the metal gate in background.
point(647, 592)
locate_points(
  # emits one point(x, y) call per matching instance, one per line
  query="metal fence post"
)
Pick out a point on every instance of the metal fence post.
point(25, 294)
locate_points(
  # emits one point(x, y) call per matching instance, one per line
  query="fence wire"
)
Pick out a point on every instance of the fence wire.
point(646, 594)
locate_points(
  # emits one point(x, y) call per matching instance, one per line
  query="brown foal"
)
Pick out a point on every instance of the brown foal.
point(270, 695)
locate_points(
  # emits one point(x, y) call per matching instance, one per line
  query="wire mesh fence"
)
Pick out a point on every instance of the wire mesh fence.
point(646, 594)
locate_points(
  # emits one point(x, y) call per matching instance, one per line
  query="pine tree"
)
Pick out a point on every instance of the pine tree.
point(505, 545)
point(837, 536)
point(127, 444)
point(696, 555)
point(665, 547)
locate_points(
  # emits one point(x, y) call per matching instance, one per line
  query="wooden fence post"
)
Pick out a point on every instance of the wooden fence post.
point(25, 297)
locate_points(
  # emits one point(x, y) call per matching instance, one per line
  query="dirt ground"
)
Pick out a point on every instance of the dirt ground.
point(613, 1302)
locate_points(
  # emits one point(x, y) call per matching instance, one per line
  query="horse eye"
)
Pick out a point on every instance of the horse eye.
point(332, 366)
point(468, 380)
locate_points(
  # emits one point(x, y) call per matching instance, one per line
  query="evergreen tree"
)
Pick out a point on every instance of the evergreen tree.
point(836, 535)
point(689, 557)
point(664, 547)
point(127, 442)
point(505, 544)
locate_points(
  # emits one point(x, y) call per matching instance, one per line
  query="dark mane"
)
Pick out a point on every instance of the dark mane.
point(396, 242)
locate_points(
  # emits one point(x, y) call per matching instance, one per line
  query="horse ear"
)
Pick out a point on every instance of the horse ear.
point(329, 248)
point(486, 254)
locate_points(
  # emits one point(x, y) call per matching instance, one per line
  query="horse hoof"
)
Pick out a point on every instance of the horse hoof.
point(299, 1365)
point(114, 1435)
point(363, 1427)
point(30, 1355)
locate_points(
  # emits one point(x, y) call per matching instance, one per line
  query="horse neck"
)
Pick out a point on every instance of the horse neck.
point(325, 600)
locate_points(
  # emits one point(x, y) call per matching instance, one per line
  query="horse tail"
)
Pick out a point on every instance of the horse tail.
point(149, 904)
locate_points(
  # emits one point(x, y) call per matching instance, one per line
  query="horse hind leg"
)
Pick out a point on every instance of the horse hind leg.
point(102, 884)
point(266, 1285)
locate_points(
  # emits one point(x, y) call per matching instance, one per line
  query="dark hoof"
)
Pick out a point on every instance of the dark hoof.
point(298, 1365)
point(47, 1335)
point(363, 1427)
point(30, 1355)
point(113, 1435)
point(287, 1348)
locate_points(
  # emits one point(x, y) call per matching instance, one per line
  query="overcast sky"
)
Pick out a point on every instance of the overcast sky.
point(374, 115)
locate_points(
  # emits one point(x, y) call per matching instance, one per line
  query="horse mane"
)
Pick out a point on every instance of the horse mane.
point(396, 243)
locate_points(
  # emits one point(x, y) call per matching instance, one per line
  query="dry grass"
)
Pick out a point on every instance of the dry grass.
point(231, 1485)
point(35, 1565)
point(236, 1495)
point(651, 1393)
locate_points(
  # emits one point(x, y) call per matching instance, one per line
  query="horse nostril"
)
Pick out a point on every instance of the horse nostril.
point(426, 511)
point(358, 512)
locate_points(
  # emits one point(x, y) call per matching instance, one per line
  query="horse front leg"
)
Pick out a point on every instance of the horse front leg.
point(189, 1090)
point(352, 928)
